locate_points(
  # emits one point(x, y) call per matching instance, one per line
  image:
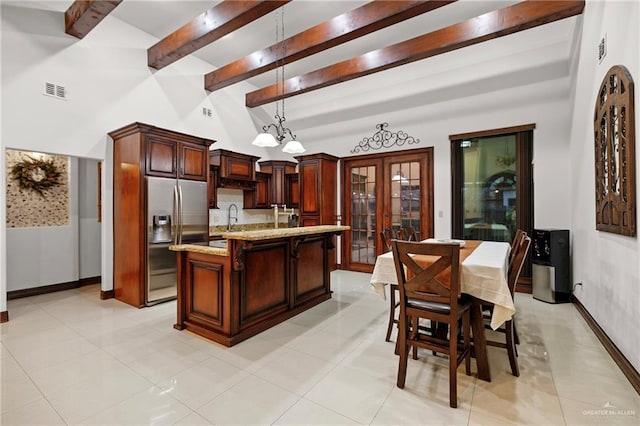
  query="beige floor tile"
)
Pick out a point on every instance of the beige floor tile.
point(88, 398)
point(150, 407)
point(305, 412)
point(295, 371)
point(252, 401)
point(70, 357)
point(203, 382)
point(509, 399)
point(580, 413)
point(18, 392)
point(351, 393)
point(38, 412)
point(193, 419)
point(413, 406)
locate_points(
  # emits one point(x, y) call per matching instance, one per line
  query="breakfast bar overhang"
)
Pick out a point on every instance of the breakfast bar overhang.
point(260, 279)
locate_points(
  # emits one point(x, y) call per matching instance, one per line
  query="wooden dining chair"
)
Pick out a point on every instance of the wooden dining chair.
point(411, 234)
point(385, 235)
point(508, 328)
point(517, 239)
point(425, 293)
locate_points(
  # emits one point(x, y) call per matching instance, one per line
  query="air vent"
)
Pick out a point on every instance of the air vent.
point(55, 91)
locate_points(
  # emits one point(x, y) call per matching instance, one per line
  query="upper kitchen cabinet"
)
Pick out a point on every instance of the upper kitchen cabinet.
point(278, 182)
point(172, 154)
point(260, 197)
point(318, 197)
point(234, 170)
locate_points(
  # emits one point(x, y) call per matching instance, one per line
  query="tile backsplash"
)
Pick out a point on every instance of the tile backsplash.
point(220, 217)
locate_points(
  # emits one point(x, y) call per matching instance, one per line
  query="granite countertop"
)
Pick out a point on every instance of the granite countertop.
point(195, 248)
point(266, 234)
point(256, 235)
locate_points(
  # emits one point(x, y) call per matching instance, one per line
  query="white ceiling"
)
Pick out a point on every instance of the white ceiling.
point(161, 17)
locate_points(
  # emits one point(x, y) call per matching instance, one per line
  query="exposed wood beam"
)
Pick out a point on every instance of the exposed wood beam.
point(341, 29)
point(208, 27)
point(82, 16)
point(509, 20)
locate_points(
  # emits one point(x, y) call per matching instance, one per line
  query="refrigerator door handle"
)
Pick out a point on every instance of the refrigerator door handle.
point(180, 209)
point(176, 214)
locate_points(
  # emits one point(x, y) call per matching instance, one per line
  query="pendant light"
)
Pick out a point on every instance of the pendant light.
point(267, 139)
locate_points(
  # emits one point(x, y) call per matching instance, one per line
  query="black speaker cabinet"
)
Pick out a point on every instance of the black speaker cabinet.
point(551, 266)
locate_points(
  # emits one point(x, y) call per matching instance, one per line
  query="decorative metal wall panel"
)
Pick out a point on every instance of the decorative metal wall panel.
point(384, 138)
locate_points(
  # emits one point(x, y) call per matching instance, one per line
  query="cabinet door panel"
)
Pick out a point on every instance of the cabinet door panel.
point(161, 158)
point(309, 175)
point(292, 196)
point(193, 162)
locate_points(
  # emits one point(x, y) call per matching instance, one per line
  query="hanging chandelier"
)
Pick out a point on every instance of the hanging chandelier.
point(266, 138)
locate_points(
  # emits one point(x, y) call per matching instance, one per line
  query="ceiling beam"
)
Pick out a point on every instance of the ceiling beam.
point(341, 29)
point(208, 27)
point(509, 20)
point(82, 16)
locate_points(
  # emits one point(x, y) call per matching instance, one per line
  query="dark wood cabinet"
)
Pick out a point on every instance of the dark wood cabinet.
point(260, 197)
point(141, 150)
point(278, 171)
point(212, 193)
point(318, 197)
point(192, 161)
point(169, 155)
point(292, 190)
point(235, 170)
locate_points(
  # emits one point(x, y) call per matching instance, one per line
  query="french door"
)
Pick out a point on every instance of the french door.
point(392, 190)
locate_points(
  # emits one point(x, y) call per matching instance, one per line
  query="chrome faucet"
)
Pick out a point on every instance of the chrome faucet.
point(275, 215)
point(235, 218)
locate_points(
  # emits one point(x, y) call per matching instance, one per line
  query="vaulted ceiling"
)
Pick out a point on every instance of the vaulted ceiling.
point(325, 43)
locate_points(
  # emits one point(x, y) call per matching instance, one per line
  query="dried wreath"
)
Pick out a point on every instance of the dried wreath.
point(38, 175)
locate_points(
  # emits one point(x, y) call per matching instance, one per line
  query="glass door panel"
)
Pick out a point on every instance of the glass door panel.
point(489, 188)
point(405, 196)
point(363, 236)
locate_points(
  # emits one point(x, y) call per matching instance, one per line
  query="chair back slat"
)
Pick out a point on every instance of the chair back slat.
point(424, 282)
point(517, 262)
point(385, 235)
point(517, 240)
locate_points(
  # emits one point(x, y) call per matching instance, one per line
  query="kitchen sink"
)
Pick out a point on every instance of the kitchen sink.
point(218, 244)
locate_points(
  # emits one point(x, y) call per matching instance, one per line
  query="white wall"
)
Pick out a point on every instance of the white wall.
point(53, 248)
point(89, 229)
point(109, 86)
point(607, 264)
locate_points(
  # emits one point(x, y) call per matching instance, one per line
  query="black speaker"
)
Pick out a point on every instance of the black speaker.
point(551, 269)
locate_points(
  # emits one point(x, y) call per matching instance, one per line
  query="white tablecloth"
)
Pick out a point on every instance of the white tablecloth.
point(484, 276)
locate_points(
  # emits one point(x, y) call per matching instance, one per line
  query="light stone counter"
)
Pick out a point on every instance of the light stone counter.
point(267, 234)
point(257, 235)
point(194, 248)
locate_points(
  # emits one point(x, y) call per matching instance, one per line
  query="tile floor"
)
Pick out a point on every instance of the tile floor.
point(69, 358)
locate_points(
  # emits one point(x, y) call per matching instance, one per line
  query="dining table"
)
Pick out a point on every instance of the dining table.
point(484, 266)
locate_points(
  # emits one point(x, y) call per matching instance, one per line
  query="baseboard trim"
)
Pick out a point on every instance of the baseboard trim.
point(618, 357)
point(4, 316)
point(108, 294)
point(36, 291)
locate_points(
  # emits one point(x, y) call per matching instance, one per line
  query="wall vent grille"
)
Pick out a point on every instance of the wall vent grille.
point(55, 90)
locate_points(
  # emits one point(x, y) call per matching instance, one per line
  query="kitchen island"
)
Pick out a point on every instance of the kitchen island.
point(260, 279)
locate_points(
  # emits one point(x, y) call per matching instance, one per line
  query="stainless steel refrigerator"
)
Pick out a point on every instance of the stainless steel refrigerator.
point(177, 213)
